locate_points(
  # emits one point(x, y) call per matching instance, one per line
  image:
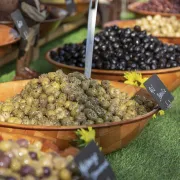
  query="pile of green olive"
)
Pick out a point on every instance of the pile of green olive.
point(57, 99)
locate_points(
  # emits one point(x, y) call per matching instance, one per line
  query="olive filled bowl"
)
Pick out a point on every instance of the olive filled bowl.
point(170, 76)
point(110, 136)
point(133, 8)
point(132, 23)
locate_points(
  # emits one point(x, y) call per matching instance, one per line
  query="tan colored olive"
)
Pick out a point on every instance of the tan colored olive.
point(160, 26)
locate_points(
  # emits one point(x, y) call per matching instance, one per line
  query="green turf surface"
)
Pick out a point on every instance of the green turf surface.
point(154, 155)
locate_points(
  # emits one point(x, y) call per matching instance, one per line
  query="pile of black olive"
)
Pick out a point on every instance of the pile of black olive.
point(122, 49)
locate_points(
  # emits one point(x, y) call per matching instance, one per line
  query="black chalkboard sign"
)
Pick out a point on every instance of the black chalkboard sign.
point(92, 164)
point(71, 7)
point(20, 23)
point(159, 92)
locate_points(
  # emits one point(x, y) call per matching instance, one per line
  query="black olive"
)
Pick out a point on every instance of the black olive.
point(116, 45)
point(148, 67)
point(172, 58)
point(106, 65)
point(127, 58)
point(154, 66)
point(136, 41)
point(174, 64)
point(133, 65)
point(99, 64)
point(161, 65)
point(137, 49)
point(154, 61)
point(149, 60)
point(168, 65)
point(137, 28)
point(53, 54)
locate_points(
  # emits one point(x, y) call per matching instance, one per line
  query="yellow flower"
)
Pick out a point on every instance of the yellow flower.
point(154, 116)
point(143, 80)
point(87, 136)
point(161, 113)
point(131, 83)
point(134, 78)
point(131, 76)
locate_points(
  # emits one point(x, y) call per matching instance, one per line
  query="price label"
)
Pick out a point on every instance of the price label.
point(93, 165)
point(90, 37)
point(20, 24)
point(71, 6)
point(159, 92)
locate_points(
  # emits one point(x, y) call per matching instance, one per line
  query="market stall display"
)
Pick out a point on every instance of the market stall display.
point(58, 112)
point(117, 50)
point(111, 134)
point(153, 7)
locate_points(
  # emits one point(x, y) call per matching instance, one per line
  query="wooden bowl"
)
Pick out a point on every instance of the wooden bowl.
point(170, 77)
point(133, 8)
point(81, 7)
point(48, 146)
point(8, 36)
point(49, 25)
point(132, 23)
point(110, 136)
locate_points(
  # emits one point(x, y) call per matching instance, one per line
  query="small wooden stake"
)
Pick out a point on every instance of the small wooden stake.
point(90, 37)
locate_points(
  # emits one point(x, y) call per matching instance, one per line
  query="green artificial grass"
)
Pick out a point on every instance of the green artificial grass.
point(154, 155)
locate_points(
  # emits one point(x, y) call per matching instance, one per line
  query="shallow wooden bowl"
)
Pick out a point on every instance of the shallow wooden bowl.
point(133, 8)
point(8, 36)
point(170, 77)
point(48, 146)
point(132, 23)
point(110, 136)
point(81, 8)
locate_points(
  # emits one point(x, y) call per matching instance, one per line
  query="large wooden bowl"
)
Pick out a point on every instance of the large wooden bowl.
point(133, 8)
point(132, 23)
point(110, 136)
point(49, 25)
point(8, 36)
point(48, 146)
point(170, 77)
point(81, 8)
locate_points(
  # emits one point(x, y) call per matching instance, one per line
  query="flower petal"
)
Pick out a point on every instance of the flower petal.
point(154, 116)
point(161, 112)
